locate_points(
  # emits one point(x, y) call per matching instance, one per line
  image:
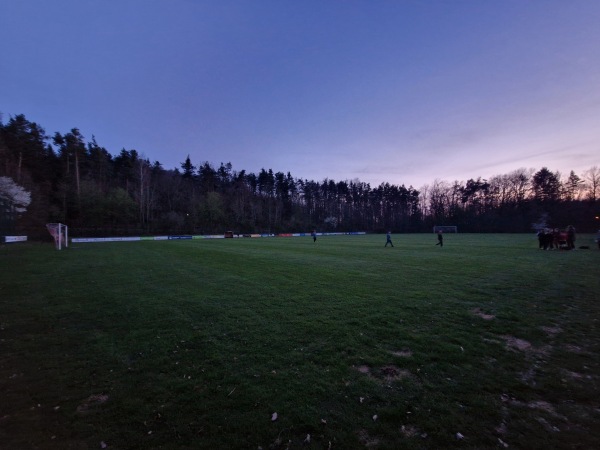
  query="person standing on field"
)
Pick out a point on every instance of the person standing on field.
point(440, 241)
point(388, 239)
point(540, 236)
point(314, 235)
point(571, 237)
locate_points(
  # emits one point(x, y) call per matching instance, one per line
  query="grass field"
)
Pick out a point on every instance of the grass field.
point(487, 342)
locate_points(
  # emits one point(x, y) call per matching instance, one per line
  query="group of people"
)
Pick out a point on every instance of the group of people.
point(555, 239)
point(548, 238)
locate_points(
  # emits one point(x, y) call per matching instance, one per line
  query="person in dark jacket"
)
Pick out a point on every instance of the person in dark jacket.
point(388, 239)
point(440, 241)
point(540, 236)
point(571, 237)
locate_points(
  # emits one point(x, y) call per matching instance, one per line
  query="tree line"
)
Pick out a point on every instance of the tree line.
point(98, 194)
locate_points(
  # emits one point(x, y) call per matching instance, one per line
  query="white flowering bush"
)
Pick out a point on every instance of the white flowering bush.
point(15, 195)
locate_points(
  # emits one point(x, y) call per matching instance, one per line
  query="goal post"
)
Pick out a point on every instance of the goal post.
point(445, 228)
point(60, 233)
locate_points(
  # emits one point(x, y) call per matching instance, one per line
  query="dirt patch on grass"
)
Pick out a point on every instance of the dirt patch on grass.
point(535, 355)
point(365, 439)
point(528, 377)
point(570, 348)
point(385, 374)
point(393, 373)
point(552, 331)
point(517, 344)
point(542, 406)
point(521, 345)
point(91, 403)
point(576, 376)
point(479, 313)
point(547, 425)
point(501, 429)
point(539, 405)
point(409, 431)
point(573, 375)
point(364, 369)
point(404, 353)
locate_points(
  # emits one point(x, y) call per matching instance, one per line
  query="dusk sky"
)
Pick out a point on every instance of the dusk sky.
point(401, 91)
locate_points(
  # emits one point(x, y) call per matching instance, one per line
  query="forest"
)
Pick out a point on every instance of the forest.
point(64, 178)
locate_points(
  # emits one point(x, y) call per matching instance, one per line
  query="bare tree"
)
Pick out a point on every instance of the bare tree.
point(439, 199)
point(592, 176)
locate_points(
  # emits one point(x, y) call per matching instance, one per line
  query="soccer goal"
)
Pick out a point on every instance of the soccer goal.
point(60, 233)
point(445, 229)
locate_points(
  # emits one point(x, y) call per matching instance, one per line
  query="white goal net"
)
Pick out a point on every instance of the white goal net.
point(60, 233)
point(445, 229)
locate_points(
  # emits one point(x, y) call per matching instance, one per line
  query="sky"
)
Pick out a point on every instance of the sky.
point(404, 91)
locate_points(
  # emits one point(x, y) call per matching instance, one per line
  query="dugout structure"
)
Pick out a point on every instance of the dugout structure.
point(445, 228)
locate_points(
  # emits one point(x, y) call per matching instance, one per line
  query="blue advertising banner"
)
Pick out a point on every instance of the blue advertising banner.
point(180, 237)
point(14, 239)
